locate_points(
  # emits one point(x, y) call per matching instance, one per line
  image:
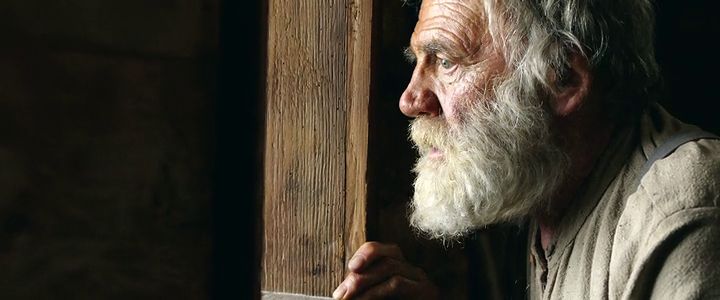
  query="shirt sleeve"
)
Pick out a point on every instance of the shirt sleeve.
point(684, 260)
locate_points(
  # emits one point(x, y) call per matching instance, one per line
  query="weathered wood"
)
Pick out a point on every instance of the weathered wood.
point(359, 82)
point(316, 135)
point(286, 296)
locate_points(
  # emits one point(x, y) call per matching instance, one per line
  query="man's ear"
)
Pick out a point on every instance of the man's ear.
point(573, 88)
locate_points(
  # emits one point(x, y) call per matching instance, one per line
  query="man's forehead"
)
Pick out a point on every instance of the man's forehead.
point(444, 24)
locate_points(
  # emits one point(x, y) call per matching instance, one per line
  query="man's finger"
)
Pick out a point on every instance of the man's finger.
point(397, 287)
point(372, 251)
point(378, 272)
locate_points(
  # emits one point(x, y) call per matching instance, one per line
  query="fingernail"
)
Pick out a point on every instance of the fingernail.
point(355, 263)
point(339, 292)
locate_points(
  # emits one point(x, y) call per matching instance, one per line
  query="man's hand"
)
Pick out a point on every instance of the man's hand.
point(379, 271)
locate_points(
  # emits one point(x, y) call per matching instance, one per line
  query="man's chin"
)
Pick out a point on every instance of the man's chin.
point(450, 201)
point(451, 225)
point(445, 206)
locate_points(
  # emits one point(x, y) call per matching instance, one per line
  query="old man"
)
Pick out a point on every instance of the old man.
point(543, 110)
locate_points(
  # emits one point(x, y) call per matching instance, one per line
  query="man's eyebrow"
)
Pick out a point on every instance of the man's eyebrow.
point(430, 48)
point(434, 47)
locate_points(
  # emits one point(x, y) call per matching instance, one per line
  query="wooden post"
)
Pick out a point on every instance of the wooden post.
point(359, 81)
point(318, 85)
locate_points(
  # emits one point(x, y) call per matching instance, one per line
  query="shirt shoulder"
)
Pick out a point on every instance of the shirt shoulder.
point(673, 218)
point(686, 179)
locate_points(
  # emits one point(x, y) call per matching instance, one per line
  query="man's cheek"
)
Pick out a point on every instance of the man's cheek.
point(462, 103)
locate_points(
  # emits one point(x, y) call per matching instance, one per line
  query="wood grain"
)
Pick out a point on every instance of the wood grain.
point(316, 136)
point(359, 82)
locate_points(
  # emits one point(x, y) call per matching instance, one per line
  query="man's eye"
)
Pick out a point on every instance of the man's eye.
point(445, 63)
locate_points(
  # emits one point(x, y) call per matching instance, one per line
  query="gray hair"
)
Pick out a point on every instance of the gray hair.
point(615, 36)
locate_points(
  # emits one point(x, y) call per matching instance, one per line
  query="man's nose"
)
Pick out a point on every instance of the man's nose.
point(417, 101)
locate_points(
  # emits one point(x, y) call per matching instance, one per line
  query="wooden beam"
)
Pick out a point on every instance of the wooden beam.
point(318, 82)
point(359, 82)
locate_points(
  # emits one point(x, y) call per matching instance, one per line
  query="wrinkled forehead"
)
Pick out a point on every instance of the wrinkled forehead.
point(457, 23)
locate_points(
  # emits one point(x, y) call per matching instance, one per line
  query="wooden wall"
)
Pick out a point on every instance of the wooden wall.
point(106, 137)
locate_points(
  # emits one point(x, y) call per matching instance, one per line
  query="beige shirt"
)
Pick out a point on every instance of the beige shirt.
point(656, 240)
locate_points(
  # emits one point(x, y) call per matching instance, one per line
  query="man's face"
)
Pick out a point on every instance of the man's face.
point(455, 59)
point(486, 151)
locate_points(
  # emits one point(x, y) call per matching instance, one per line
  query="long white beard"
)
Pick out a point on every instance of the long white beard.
point(498, 165)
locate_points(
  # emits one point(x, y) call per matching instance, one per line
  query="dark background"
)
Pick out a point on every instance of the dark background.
point(686, 39)
point(129, 139)
point(127, 148)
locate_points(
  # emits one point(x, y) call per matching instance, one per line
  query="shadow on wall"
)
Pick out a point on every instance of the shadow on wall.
point(106, 124)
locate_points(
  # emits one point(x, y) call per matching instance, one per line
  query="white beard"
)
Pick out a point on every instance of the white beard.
point(498, 165)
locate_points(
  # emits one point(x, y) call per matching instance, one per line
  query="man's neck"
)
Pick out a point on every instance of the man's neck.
point(584, 140)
